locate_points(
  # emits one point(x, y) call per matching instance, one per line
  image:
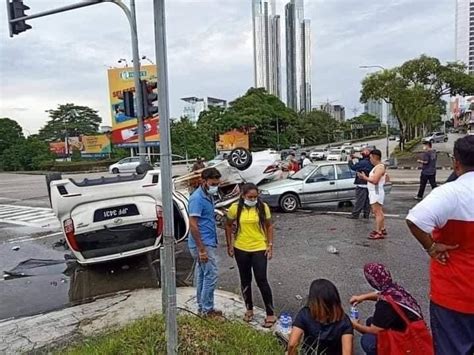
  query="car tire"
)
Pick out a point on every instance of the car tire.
point(446, 139)
point(49, 178)
point(432, 141)
point(289, 203)
point(240, 158)
point(115, 171)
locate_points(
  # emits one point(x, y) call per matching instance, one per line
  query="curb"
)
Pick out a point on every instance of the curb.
point(42, 331)
point(417, 168)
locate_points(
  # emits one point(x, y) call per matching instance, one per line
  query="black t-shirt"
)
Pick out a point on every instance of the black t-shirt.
point(322, 338)
point(385, 316)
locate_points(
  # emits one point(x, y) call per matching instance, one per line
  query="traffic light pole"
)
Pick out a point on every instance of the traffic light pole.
point(168, 271)
point(131, 16)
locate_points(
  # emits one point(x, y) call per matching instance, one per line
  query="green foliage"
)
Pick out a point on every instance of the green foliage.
point(10, 133)
point(196, 140)
point(76, 155)
point(318, 127)
point(26, 154)
point(196, 336)
point(415, 89)
point(74, 119)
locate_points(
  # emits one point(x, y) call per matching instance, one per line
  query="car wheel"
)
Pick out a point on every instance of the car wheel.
point(446, 139)
point(431, 141)
point(115, 171)
point(289, 203)
point(240, 158)
point(49, 178)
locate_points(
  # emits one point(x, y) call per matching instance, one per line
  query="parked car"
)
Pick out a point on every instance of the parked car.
point(436, 137)
point(318, 154)
point(336, 154)
point(347, 148)
point(315, 183)
point(295, 147)
point(125, 165)
point(325, 182)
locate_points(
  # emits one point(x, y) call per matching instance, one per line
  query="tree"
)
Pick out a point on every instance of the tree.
point(27, 154)
point(317, 127)
point(415, 90)
point(70, 118)
point(191, 138)
point(10, 133)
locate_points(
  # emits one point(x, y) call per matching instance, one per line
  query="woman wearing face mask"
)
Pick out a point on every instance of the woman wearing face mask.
point(251, 242)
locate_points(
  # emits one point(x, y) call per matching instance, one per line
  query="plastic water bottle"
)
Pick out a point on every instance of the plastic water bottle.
point(354, 312)
point(285, 323)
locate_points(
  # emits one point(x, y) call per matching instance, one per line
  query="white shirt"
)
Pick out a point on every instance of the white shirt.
point(306, 161)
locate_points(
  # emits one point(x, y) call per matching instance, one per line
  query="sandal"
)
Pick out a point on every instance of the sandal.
point(376, 236)
point(248, 317)
point(269, 323)
point(384, 231)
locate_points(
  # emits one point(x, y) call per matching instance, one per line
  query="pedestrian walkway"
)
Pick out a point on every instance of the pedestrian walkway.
point(28, 216)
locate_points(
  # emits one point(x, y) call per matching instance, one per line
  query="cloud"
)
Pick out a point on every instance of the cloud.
point(64, 57)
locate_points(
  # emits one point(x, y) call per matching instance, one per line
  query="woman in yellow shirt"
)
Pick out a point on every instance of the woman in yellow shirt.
point(251, 243)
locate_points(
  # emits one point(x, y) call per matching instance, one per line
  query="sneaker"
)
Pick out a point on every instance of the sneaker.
point(418, 198)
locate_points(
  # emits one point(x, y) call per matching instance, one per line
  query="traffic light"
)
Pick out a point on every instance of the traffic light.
point(149, 98)
point(128, 104)
point(16, 10)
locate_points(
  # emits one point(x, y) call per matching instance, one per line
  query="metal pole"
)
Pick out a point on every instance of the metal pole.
point(278, 134)
point(136, 79)
point(387, 152)
point(169, 269)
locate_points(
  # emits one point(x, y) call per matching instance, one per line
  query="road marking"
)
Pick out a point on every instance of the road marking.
point(39, 217)
point(28, 238)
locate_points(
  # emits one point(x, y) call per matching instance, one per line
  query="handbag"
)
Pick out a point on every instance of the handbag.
point(414, 340)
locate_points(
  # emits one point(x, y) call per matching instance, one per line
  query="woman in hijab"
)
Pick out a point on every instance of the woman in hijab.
point(385, 317)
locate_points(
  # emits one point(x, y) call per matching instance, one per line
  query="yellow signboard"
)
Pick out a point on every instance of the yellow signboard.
point(233, 139)
point(124, 128)
point(96, 144)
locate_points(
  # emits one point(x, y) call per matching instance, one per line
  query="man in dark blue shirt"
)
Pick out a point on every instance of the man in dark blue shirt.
point(428, 169)
point(362, 194)
point(202, 241)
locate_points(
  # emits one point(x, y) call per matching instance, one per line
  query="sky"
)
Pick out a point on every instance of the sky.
point(64, 58)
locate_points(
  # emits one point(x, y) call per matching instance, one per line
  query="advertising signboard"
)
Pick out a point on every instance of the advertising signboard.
point(125, 128)
point(89, 146)
point(233, 139)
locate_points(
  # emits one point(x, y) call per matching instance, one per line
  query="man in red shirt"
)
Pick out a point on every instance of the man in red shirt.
point(443, 223)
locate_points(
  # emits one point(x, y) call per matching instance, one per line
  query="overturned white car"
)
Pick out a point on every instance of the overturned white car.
point(115, 217)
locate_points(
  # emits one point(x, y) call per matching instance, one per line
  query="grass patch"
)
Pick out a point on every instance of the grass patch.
point(196, 336)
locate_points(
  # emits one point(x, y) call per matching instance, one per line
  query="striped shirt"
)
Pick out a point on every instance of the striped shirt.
point(448, 214)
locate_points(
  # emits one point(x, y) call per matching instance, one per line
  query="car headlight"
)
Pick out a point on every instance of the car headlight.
point(264, 192)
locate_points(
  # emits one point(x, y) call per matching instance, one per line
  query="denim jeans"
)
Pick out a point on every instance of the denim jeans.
point(369, 341)
point(205, 279)
point(453, 332)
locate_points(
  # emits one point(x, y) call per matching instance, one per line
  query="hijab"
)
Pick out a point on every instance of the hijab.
point(379, 277)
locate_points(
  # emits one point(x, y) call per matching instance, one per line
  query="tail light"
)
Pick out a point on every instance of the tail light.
point(159, 221)
point(271, 169)
point(69, 232)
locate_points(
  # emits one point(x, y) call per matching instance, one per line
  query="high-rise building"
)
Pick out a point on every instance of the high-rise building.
point(374, 108)
point(195, 105)
point(338, 112)
point(266, 46)
point(298, 57)
point(464, 41)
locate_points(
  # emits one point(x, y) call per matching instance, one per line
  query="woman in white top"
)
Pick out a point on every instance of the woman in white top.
point(375, 185)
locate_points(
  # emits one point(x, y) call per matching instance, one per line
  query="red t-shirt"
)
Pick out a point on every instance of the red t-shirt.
point(448, 213)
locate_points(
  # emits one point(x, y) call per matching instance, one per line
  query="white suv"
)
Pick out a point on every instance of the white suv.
point(111, 218)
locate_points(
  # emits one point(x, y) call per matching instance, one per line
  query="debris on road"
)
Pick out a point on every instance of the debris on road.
point(16, 248)
point(299, 297)
point(332, 249)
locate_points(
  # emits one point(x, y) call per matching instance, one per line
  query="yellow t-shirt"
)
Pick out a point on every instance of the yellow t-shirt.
point(250, 236)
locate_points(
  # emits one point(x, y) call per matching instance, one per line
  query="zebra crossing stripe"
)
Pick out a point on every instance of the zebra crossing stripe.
point(28, 216)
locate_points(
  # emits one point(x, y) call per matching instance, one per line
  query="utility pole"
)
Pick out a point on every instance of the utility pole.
point(168, 268)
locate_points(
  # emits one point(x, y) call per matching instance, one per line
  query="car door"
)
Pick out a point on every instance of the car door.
point(124, 165)
point(345, 182)
point(320, 186)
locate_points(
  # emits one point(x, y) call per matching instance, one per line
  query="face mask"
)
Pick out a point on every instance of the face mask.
point(212, 190)
point(250, 203)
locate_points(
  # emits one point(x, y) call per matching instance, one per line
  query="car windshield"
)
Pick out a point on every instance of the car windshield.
point(303, 173)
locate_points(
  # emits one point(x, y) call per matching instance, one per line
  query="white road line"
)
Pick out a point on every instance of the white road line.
point(29, 239)
point(38, 217)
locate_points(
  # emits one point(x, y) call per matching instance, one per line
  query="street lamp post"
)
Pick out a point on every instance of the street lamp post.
point(387, 141)
point(278, 133)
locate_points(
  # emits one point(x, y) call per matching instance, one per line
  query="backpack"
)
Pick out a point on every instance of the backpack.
point(414, 340)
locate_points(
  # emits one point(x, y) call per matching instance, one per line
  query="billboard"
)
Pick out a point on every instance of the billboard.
point(89, 146)
point(125, 128)
point(233, 139)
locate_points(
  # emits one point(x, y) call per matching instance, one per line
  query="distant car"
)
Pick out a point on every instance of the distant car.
point(347, 148)
point(392, 138)
point(336, 154)
point(315, 183)
point(125, 165)
point(295, 147)
point(436, 137)
point(318, 154)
